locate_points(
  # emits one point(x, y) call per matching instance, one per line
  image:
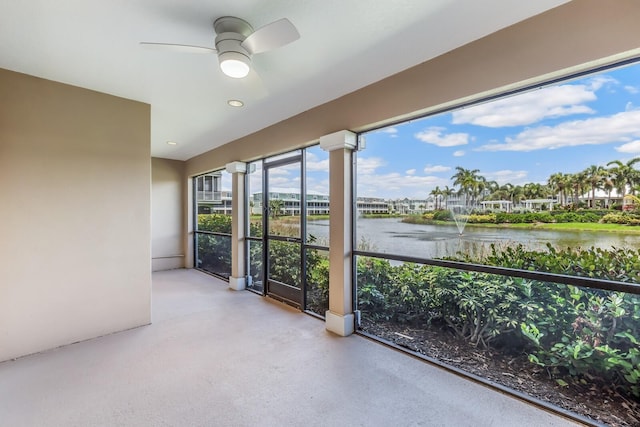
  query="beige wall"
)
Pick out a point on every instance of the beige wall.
point(576, 33)
point(74, 228)
point(167, 219)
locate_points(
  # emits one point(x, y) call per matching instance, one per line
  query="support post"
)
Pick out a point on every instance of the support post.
point(339, 319)
point(238, 278)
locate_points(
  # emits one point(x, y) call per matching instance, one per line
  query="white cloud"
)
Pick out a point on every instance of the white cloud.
point(506, 176)
point(632, 89)
point(281, 171)
point(531, 107)
point(621, 127)
point(434, 135)
point(597, 82)
point(629, 147)
point(321, 186)
point(436, 168)
point(314, 162)
point(391, 131)
point(393, 185)
point(458, 153)
point(318, 165)
point(368, 165)
point(281, 182)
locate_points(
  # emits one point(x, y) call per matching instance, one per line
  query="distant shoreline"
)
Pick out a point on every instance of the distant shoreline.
point(563, 226)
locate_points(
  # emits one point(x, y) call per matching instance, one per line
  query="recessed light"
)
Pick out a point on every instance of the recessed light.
point(235, 103)
point(172, 143)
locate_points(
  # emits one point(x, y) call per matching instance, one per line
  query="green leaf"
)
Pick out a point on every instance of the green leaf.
point(621, 362)
point(562, 383)
point(628, 336)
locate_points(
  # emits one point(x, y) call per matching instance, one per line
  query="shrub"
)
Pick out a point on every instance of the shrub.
point(577, 334)
point(443, 215)
point(372, 287)
point(550, 217)
point(481, 307)
point(620, 264)
point(527, 217)
point(481, 219)
point(317, 282)
point(622, 218)
point(214, 222)
point(596, 339)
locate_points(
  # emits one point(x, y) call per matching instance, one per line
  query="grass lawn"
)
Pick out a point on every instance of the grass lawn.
point(560, 226)
point(565, 226)
point(575, 226)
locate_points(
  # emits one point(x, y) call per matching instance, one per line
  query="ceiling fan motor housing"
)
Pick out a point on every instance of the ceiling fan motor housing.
point(231, 32)
point(230, 42)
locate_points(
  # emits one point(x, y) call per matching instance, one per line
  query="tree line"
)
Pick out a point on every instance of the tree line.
point(620, 176)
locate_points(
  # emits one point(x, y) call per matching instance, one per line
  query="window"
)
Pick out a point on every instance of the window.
point(504, 231)
point(290, 259)
point(213, 223)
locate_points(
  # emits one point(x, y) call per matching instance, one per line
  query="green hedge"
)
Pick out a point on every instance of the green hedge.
point(547, 217)
point(622, 218)
point(576, 334)
point(479, 217)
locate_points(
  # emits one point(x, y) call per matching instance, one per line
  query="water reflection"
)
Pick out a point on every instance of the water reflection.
point(390, 235)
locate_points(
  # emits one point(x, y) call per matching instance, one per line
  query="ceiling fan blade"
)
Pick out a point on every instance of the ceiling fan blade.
point(271, 36)
point(178, 47)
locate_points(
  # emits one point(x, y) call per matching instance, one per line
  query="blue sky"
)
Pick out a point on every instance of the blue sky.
point(519, 139)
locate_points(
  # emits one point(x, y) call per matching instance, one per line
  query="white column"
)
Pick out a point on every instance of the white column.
point(339, 319)
point(238, 278)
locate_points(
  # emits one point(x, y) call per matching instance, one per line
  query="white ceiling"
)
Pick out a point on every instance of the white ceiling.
point(344, 45)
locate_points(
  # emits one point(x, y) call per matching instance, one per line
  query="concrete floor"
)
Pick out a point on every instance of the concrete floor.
point(215, 357)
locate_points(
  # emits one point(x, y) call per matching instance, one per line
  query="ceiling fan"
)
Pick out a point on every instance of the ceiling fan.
point(236, 42)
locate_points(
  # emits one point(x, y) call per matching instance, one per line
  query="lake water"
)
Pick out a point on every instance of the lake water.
point(390, 235)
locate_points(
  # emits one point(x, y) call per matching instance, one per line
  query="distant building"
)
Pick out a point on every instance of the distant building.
point(210, 198)
point(372, 205)
point(497, 205)
point(603, 198)
point(455, 200)
point(408, 206)
point(538, 204)
point(317, 203)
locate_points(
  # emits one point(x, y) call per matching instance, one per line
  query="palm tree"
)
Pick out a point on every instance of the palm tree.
point(275, 207)
point(559, 183)
point(577, 182)
point(594, 175)
point(492, 186)
point(608, 185)
point(516, 194)
point(468, 181)
point(446, 193)
point(436, 193)
point(624, 175)
point(479, 188)
point(502, 192)
point(534, 190)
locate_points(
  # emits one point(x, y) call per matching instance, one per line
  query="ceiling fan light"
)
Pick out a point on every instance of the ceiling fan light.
point(234, 64)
